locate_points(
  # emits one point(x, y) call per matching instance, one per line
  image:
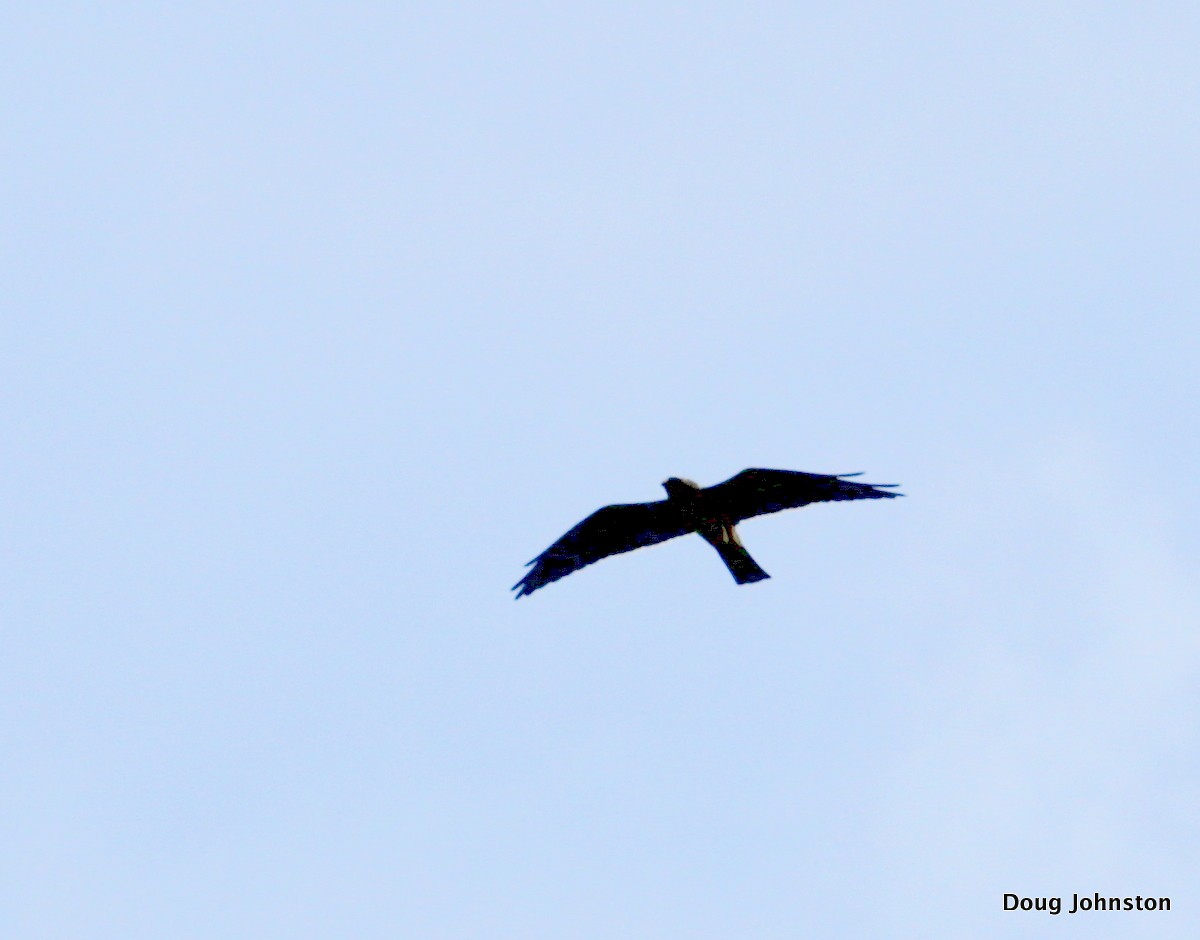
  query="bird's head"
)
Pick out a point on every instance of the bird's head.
point(677, 487)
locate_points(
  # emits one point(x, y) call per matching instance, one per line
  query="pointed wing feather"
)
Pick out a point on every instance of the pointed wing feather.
point(756, 492)
point(607, 531)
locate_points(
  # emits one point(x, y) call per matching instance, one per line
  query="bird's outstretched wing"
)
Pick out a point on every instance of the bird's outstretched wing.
point(756, 492)
point(607, 531)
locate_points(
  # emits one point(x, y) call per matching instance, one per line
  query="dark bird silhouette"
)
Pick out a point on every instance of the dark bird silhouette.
point(712, 512)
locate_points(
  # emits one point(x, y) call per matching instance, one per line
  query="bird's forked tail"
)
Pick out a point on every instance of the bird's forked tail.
point(745, 570)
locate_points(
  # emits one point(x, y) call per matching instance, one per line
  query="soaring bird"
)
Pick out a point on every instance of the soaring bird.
point(712, 512)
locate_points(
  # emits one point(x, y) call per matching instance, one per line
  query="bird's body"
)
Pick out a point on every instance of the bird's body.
point(715, 526)
point(711, 512)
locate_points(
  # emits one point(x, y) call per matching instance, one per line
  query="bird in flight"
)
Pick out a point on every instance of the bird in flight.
point(712, 512)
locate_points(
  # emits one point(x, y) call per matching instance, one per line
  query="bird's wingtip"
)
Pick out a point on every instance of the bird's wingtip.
point(524, 587)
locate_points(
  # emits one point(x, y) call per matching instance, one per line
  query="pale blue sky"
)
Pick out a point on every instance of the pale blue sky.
point(322, 319)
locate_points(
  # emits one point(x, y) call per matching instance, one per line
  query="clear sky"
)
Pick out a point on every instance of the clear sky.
point(320, 319)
